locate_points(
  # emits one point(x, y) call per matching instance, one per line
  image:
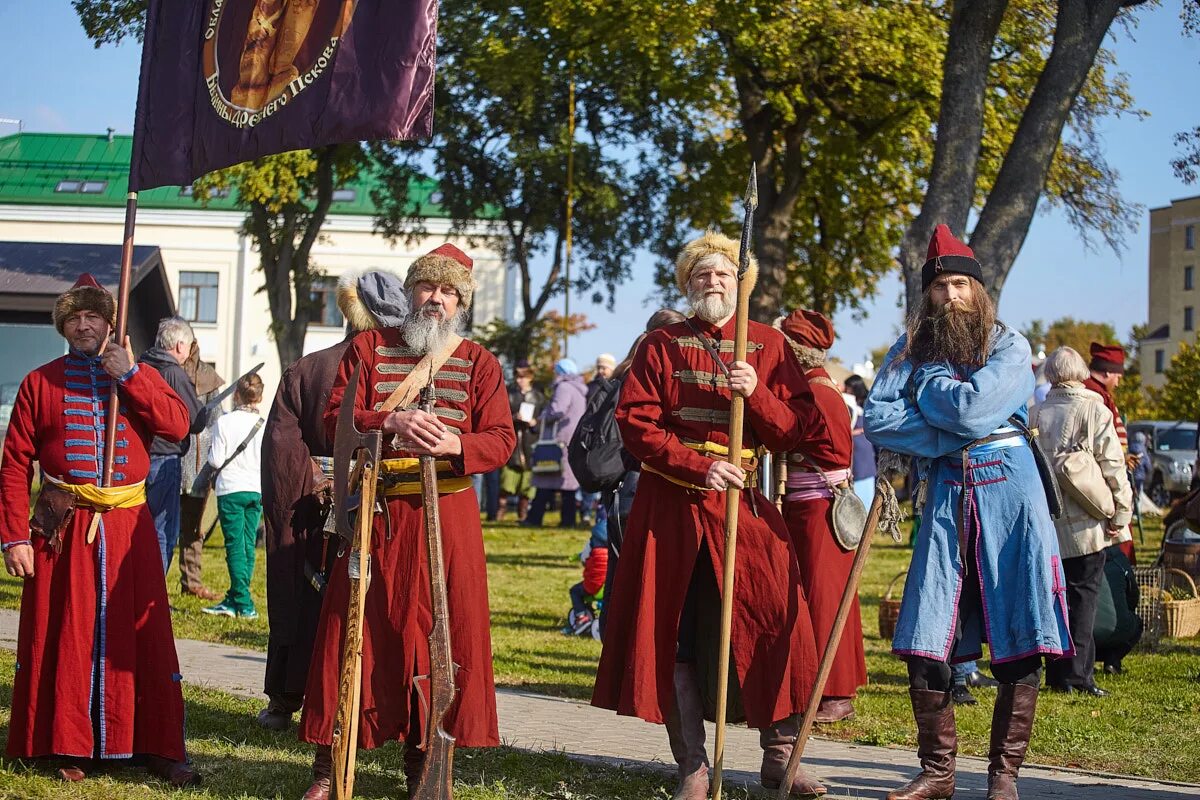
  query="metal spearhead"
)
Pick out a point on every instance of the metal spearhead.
point(348, 442)
point(749, 203)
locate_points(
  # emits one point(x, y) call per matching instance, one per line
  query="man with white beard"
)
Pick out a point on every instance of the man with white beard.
point(469, 432)
point(661, 640)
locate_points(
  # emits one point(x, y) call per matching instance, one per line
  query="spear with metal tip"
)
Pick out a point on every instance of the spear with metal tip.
point(733, 496)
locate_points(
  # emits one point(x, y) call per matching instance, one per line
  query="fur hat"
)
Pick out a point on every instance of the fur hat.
point(372, 299)
point(85, 295)
point(808, 329)
point(711, 242)
point(447, 265)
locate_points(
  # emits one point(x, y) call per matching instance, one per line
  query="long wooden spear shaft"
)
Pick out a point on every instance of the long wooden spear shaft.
point(114, 406)
point(831, 647)
point(737, 410)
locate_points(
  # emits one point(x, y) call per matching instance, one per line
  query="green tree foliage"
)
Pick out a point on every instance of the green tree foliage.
point(287, 197)
point(1069, 332)
point(502, 141)
point(110, 21)
point(539, 343)
point(1187, 164)
point(1180, 398)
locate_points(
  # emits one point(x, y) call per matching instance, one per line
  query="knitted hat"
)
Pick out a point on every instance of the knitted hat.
point(85, 295)
point(372, 299)
point(1107, 358)
point(566, 366)
point(711, 242)
point(808, 329)
point(447, 265)
point(948, 256)
point(606, 360)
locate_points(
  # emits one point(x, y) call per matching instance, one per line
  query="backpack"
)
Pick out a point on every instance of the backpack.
point(595, 453)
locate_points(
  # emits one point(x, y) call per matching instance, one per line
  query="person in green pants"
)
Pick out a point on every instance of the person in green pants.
point(234, 451)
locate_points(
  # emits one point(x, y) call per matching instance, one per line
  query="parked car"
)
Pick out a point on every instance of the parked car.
point(1172, 449)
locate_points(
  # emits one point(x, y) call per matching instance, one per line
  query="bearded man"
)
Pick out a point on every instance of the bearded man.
point(985, 563)
point(659, 661)
point(97, 674)
point(297, 472)
point(470, 432)
point(812, 472)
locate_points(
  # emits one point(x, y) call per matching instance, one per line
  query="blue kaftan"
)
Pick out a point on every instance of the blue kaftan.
point(931, 413)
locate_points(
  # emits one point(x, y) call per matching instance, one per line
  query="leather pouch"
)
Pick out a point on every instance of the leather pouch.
point(52, 513)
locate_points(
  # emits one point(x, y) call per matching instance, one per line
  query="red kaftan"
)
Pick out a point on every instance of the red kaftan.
point(674, 392)
point(93, 613)
point(471, 400)
point(824, 565)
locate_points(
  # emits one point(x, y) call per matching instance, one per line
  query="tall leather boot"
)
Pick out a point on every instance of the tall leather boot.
point(777, 741)
point(685, 730)
point(1012, 723)
point(937, 745)
point(322, 770)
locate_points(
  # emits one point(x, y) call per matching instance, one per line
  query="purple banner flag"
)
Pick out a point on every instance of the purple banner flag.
point(227, 81)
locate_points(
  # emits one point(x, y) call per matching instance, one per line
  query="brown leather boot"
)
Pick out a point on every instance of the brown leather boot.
point(777, 741)
point(277, 716)
point(322, 770)
point(937, 745)
point(1012, 723)
point(834, 709)
point(685, 730)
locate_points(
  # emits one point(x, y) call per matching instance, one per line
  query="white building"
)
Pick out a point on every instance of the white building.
point(70, 188)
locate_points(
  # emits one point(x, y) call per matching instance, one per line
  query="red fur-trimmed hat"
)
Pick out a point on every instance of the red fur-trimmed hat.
point(808, 329)
point(85, 295)
point(446, 265)
point(1107, 358)
point(947, 255)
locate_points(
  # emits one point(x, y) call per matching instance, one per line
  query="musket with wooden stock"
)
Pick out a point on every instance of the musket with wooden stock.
point(733, 496)
point(437, 770)
point(348, 444)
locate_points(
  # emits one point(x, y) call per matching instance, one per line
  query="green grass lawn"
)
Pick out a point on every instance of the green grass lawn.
point(1146, 727)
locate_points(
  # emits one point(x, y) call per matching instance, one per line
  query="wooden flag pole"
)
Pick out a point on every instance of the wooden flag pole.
point(733, 496)
point(121, 333)
point(831, 646)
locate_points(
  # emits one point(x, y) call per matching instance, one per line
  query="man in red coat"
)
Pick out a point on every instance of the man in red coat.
point(807, 507)
point(470, 432)
point(660, 645)
point(297, 465)
point(1107, 367)
point(97, 675)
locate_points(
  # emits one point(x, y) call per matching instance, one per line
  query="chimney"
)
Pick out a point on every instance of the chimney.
point(111, 131)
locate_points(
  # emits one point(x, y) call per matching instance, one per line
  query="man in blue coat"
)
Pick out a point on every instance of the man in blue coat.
point(985, 564)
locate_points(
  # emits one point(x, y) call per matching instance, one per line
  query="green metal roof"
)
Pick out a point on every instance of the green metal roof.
point(73, 169)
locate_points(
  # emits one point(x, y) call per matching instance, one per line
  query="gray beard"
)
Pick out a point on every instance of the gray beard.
point(429, 334)
point(710, 308)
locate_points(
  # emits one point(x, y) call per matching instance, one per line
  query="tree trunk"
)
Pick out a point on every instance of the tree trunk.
point(1008, 212)
point(973, 28)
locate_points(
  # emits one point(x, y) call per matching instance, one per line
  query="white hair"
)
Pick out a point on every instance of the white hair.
point(1063, 365)
point(174, 331)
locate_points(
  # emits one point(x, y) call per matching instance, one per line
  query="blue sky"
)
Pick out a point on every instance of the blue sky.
point(56, 81)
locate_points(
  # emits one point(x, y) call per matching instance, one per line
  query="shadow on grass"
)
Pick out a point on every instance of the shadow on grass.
point(532, 560)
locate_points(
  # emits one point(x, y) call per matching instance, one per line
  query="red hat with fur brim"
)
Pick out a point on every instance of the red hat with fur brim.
point(86, 295)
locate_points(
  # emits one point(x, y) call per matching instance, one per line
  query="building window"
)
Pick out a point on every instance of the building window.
point(344, 195)
point(1187, 278)
point(1187, 318)
point(213, 192)
point(198, 296)
point(1189, 237)
point(1159, 357)
point(81, 187)
point(324, 294)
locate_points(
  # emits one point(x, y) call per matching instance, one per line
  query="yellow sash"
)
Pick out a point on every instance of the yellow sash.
point(412, 466)
point(100, 498)
point(709, 449)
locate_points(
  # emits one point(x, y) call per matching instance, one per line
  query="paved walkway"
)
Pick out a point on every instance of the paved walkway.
point(535, 722)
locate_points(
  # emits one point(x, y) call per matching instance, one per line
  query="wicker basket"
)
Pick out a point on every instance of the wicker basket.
point(889, 610)
point(1181, 617)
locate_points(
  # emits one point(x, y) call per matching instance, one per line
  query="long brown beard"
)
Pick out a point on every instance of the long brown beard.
point(960, 335)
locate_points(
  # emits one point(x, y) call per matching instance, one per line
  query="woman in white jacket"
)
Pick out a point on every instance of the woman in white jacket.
point(1073, 419)
point(236, 443)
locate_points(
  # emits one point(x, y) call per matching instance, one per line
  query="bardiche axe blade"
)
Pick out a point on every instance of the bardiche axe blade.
point(349, 442)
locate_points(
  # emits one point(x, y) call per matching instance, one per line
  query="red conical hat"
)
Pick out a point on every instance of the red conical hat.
point(86, 295)
point(948, 255)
